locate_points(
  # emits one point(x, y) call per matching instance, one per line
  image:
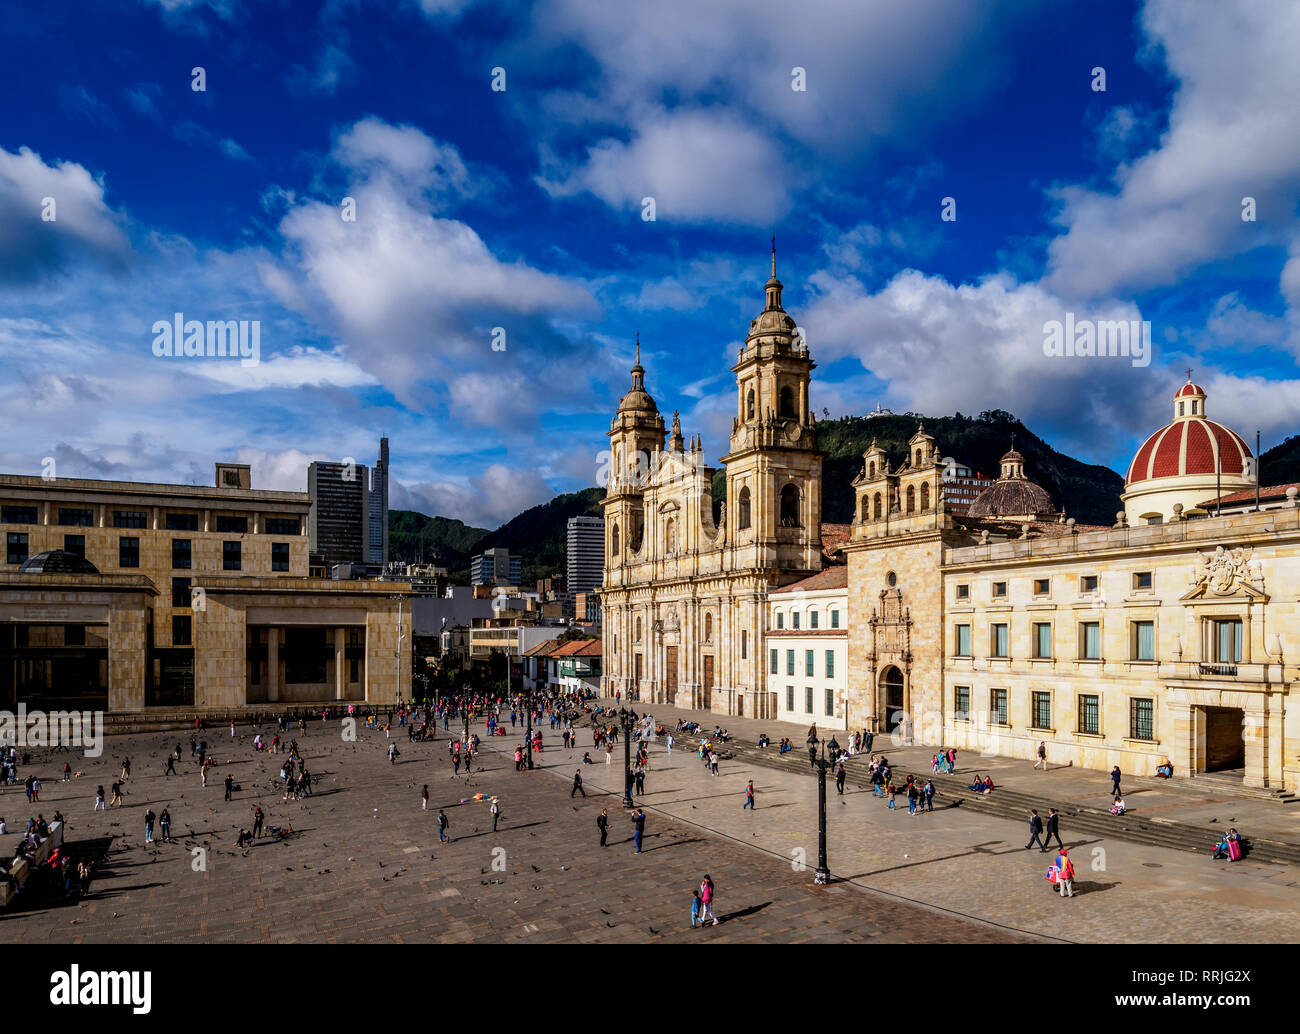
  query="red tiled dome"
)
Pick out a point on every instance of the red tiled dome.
point(1188, 447)
point(1189, 389)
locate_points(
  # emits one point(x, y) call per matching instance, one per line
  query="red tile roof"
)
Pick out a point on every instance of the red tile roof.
point(1267, 493)
point(836, 577)
point(578, 648)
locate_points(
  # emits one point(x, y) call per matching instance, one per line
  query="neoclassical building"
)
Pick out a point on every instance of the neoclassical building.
point(1173, 634)
point(685, 591)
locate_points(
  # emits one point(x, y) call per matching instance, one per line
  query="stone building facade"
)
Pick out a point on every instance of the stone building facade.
point(685, 589)
point(122, 596)
point(1170, 636)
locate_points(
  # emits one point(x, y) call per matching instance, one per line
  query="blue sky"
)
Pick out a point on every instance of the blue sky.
point(522, 209)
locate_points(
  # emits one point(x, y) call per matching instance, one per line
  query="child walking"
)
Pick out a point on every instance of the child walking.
point(695, 909)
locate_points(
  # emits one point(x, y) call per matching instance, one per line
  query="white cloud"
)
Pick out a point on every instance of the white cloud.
point(414, 297)
point(1231, 135)
point(484, 500)
point(84, 226)
point(699, 166)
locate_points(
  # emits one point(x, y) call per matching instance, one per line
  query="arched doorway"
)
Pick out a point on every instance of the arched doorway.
point(891, 697)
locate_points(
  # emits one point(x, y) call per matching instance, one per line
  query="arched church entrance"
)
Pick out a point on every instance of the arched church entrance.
point(891, 697)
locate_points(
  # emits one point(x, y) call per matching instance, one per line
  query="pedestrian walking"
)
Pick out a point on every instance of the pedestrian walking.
point(839, 780)
point(99, 799)
point(495, 812)
point(929, 795)
point(171, 765)
point(442, 826)
point(638, 828)
point(668, 741)
point(258, 817)
point(149, 819)
point(1035, 831)
point(116, 802)
point(893, 793)
point(165, 823)
point(1114, 782)
point(424, 798)
point(67, 772)
point(749, 796)
point(577, 784)
point(1053, 829)
point(230, 785)
point(1042, 755)
point(707, 892)
point(602, 823)
point(695, 908)
point(126, 769)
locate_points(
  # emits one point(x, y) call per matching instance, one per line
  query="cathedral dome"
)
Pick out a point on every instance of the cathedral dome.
point(1013, 494)
point(1185, 462)
point(637, 399)
point(1017, 497)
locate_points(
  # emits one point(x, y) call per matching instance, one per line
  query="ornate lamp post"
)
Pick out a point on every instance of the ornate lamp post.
point(823, 874)
point(627, 719)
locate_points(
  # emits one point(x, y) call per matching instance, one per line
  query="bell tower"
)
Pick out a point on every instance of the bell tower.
point(636, 437)
point(773, 464)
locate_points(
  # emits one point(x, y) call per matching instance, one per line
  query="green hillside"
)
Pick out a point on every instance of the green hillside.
point(1280, 465)
point(538, 534)
point(413, 537)
point(1090, 492)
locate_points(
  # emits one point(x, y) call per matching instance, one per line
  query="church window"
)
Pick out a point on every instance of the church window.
point(787, 402)
point(742, 515)
point(613, 542)
point(871, 469)
point(708, 628)
point(1180, 408)
point(866, 509)
point(790, 507)
point(670, 535)
point(749, 405)
point(918, 458)
point(877, 504)
point(925, 496)
point(911, 498)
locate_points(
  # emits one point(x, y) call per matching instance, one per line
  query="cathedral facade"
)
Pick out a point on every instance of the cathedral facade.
point(685, 587)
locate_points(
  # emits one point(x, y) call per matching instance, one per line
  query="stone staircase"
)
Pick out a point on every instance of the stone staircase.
point(1076, 820)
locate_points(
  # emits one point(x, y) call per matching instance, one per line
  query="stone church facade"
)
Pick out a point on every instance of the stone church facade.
point(685, 588)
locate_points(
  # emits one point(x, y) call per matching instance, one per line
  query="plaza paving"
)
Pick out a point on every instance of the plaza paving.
point(365, 863)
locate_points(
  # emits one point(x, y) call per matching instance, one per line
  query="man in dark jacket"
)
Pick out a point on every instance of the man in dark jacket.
point(1035, 831)
point(602, 823)
point(1053, 829)
point(577, 784)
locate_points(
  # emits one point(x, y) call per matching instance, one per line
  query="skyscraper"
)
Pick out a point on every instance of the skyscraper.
point(348, 523)
point(586, 553)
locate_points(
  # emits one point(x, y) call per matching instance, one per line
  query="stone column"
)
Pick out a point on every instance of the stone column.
point(340, 647)
point(272, 664)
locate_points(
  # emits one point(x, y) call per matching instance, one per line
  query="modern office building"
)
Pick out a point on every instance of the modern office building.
point(495, 567)
point(348, 523)
point(122, 596)
point(585, 565)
